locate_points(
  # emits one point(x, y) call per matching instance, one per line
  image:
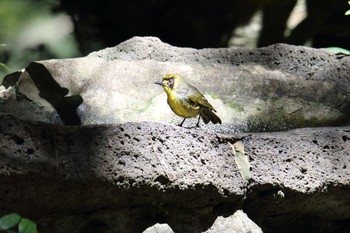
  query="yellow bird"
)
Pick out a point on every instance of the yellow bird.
point(186, 101)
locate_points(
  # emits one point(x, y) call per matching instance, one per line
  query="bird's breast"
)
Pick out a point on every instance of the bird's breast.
point(182, 106)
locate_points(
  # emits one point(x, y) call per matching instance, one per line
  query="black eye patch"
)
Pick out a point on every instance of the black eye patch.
point(171, 83)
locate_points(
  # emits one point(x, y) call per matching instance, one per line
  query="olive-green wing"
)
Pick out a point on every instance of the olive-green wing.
point(201, 100)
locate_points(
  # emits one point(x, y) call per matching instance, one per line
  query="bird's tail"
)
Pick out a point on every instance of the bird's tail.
point(208, 115)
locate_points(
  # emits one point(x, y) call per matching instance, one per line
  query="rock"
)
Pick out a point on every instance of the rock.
point(135, 172)
point(267, 89)
point(159, 228)
point(237, 223)
point(127, 177)
point(312, 164)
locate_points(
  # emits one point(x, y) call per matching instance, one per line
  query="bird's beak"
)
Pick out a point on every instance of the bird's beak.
point(159, 83)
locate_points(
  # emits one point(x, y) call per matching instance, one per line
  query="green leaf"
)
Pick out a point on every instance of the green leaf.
point(27, 226)
point(347, 12)
point(241, 160)
point(9, 221)
point(338, 50)
point(4, 67)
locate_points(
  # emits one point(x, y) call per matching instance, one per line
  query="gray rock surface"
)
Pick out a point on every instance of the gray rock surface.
point(159, 228)
point(237, 223)
point(136, 172)
point(127, 177)
point(274, 88)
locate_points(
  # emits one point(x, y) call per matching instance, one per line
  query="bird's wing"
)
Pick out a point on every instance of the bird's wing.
point(201, 100)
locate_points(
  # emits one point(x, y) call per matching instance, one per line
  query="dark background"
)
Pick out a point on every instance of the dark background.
point(96, 24)
point(203, 23)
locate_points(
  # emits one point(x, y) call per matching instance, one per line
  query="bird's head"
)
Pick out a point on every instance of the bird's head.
point(170, 82)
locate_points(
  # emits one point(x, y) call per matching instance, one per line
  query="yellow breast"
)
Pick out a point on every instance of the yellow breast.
point(182, 107)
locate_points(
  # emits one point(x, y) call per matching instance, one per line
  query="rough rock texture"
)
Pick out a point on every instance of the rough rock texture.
point(136, 172)
point(132, 174)
point(237, 223)
point(159, 228)
point(127, 177)
point(274, 88)
point(302, 180)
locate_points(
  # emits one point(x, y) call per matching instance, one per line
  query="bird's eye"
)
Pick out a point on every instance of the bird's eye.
point(171, 83)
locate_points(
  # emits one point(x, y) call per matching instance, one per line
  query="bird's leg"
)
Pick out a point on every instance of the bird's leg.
point(182, 122)
point(199, 118)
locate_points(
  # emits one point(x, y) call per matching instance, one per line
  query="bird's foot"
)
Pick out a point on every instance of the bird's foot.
point(182, 122)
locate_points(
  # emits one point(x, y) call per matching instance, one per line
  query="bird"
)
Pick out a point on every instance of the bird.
point(186, 100)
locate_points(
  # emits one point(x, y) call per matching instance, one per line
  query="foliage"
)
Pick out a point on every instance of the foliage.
point(348, 11)
point(338, 50)
point(3, 67)
point(31, 30)
point(10, 221)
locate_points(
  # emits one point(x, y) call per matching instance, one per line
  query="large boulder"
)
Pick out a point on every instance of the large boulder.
point(127, 177)
point(274, 88)
point(141, 169)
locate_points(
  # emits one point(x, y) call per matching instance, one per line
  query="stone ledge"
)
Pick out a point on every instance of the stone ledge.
point(67, 177)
